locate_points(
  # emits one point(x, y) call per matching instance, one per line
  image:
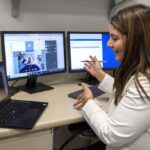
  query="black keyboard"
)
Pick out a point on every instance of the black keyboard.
point(10, 111)
point(95, 90)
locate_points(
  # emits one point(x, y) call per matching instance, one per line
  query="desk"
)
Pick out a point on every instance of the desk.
point(58, 113)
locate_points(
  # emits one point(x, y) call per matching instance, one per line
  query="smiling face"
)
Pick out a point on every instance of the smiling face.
point(116, 42)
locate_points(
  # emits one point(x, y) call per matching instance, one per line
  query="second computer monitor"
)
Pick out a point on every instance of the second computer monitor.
point(32, 53)
point(83, 44)
point(29, 54)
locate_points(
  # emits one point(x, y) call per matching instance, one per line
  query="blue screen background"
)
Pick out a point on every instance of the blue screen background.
point(108, 54)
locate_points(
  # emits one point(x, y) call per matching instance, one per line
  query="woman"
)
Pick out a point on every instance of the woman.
point(126, 126)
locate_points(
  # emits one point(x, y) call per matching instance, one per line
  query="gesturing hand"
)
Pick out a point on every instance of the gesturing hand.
point(84, 97)
point(94, 68)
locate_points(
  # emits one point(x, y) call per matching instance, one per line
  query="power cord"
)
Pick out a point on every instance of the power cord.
point(13, 90)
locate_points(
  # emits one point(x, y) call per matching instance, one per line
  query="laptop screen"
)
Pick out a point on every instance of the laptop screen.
point(3, 84)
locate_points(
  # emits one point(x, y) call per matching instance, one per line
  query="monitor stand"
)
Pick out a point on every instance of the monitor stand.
point(89, 79)
point(32, 86)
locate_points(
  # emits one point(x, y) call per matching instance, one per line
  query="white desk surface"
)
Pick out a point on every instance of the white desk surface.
point(59, 112)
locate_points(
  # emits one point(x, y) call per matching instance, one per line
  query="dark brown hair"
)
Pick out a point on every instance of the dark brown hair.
point(134, 22)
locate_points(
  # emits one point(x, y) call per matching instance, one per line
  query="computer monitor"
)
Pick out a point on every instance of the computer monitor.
point(29, 54)
point(83, 44)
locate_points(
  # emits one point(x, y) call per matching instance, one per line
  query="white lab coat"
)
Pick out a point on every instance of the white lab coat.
point(125, 126)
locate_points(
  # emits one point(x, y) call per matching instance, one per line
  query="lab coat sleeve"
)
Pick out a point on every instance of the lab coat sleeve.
point(129, 120)
point(106, 84)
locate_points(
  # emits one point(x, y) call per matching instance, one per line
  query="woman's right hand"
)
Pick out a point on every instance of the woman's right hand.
point(84, 97)
point(94, 68)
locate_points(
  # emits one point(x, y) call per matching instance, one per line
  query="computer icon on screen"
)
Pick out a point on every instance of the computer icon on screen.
point(29, 54)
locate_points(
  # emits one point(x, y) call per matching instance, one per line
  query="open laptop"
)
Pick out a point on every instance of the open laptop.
point(17, 113)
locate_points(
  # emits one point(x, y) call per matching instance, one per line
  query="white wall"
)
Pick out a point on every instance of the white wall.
point(53, 15)
point(127, 3)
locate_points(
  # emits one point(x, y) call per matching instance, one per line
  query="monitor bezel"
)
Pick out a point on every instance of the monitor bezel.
point(28, 32)
point(69, 51)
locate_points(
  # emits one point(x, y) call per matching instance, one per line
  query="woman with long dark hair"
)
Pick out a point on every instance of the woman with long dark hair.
point(126, 126)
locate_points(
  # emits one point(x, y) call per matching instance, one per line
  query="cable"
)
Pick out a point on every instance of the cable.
point(14, 83)
point(13, 90)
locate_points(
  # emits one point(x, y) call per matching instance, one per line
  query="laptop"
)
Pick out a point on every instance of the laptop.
point(17, 113)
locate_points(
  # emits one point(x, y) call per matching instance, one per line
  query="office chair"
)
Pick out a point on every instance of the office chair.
point(81, 129)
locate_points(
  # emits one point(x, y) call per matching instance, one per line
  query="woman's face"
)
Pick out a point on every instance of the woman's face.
point(116, 42)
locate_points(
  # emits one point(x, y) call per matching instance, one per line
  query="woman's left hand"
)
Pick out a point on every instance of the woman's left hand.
point(84, 97)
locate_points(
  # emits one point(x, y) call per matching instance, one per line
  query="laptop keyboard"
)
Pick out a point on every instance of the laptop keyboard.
point(9, 112)
point(95, 90)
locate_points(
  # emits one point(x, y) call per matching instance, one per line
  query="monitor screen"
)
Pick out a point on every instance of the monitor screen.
point(83, 44)
point(31, 54)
